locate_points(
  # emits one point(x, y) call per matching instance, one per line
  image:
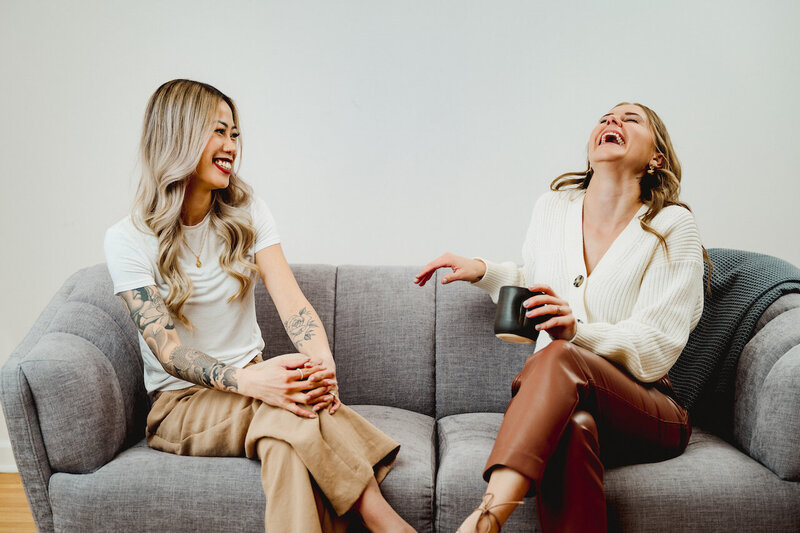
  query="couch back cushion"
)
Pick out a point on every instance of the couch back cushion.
point(474, 369)
point(384, 338)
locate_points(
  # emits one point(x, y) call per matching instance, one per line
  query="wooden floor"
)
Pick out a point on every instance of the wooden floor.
point(15, 515)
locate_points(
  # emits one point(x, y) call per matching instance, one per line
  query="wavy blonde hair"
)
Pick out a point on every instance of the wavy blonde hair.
point(178, 122)
point(657, 190)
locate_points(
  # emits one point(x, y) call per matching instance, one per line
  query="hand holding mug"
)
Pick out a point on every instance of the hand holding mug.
point(560, 322)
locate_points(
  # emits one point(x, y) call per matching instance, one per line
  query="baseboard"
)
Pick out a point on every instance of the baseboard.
point(7, 463)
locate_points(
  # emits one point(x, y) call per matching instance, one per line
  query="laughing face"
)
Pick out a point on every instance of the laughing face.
point(214, 169)
point(623, 137)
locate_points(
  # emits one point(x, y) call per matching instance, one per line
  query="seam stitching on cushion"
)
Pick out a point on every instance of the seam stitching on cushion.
point(435, 347)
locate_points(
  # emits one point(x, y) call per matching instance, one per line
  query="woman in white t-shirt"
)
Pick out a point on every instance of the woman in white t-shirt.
point(185, 264)
point(618, 260)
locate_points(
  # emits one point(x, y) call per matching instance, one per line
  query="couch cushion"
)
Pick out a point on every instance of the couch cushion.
point(318, 283)
point(711, 487)
point(78, 400)
point(766, 418)
point(384, 338)
point(785, 303)
point(85, 375)
point(129, 493)
point(469, 357)
point(775, 440)
point(409, 485)
point(465, 441)
point(148, 490)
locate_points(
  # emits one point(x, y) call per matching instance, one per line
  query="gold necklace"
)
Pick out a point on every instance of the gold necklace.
point(202, 245)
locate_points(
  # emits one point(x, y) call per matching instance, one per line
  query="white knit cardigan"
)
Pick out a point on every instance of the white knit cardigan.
point(639, 304)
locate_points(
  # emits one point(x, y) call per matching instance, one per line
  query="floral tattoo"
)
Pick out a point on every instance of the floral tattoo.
point(300, 327)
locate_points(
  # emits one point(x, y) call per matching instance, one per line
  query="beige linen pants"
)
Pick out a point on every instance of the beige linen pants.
point(300, 457)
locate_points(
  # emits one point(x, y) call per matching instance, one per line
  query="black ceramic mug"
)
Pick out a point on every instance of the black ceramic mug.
point(510, 322)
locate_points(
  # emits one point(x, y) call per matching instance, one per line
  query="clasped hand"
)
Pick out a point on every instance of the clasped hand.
point(293, 382)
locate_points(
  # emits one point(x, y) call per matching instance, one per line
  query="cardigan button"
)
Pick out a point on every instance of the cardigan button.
point(578, 281)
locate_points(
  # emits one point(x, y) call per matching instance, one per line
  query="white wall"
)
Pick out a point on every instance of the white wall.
point(388, 132)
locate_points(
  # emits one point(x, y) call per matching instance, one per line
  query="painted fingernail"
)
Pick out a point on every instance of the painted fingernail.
point(538, 327)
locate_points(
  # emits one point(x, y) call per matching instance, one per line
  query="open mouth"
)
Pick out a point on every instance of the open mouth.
point(611, 137)
point(224, 165)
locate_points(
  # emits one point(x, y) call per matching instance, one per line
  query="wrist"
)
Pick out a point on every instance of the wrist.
point(480, 268)
point(574, 332)
point(328, 361)
point(243, 381)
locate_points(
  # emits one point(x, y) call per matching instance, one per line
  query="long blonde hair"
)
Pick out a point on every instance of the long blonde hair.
point(178, 122)
point(657, 190)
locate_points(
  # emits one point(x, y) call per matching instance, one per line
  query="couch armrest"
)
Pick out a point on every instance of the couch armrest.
point(26, 442)
point(72, 391)
point(767, 396)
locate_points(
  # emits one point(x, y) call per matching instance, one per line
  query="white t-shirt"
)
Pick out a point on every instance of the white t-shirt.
point(227, 331)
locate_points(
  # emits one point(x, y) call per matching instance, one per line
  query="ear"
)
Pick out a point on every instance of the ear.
point(657, 161)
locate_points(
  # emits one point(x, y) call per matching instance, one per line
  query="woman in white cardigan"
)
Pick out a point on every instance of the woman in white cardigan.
point(620, 261)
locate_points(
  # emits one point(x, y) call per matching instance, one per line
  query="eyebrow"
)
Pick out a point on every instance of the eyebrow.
point(226, 124)
point(625, 114)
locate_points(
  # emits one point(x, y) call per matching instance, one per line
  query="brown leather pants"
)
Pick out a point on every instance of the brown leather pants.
point(573, 411)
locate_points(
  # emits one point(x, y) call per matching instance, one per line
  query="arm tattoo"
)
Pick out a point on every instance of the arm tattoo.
point(300, 327)
point(146, 308)
point(151, 316)
point(197, 367)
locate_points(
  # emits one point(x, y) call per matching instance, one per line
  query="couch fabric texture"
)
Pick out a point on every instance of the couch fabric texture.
point(423, 365)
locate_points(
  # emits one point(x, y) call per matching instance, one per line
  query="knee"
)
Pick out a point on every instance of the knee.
point(559, 345)
point(583, 422)
point(278, 450)
point(583, 433)
point(557, 349)
point(555, 354)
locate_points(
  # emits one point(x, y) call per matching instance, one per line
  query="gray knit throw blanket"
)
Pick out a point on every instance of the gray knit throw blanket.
point(743, 285)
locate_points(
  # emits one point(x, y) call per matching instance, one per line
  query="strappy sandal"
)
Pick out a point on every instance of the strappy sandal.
point(486, 512)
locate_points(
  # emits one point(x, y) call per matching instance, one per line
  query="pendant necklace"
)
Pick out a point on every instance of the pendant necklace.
point(199, 263)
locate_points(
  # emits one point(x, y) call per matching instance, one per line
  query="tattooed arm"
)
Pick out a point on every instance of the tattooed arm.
point(276, 381)
point(300, 319)
point(151, 316)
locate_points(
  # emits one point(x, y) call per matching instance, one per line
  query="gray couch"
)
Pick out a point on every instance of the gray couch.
point(420, 363)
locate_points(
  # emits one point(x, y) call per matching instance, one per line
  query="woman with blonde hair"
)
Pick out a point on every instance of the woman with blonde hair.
point(618, 263)
point(184, 263)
